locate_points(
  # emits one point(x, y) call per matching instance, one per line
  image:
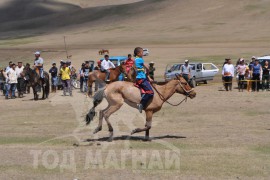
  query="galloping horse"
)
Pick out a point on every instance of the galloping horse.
point(35, 82)
point(119, 92)
point(99, 75)
point(103, 51)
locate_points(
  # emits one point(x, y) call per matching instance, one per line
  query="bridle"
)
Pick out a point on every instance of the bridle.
point(187, 93)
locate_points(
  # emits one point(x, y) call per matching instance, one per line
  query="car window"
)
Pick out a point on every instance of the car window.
point(175, 67)
point(208, 67)
point(199, 66)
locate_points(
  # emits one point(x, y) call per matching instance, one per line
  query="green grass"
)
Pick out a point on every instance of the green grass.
point(16, 41)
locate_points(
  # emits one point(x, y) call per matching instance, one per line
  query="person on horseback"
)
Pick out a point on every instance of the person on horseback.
point(129, 63)
point(39, 64)
point(106, 65)
point(141, 79)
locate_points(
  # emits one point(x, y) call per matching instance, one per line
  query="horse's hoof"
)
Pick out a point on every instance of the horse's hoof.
point(134, 131)
point(97, 130)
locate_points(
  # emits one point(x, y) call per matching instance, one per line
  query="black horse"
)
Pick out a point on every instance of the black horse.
point(36, 83)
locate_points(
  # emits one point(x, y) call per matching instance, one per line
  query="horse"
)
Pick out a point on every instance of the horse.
point(35, 82)
point(103, 51)
point(121, 91)
point(99, 75)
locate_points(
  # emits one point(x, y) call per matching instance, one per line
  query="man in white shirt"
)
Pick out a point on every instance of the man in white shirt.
point(228, 74)
point(20, 79)
point(11, 81)
point(106, 65)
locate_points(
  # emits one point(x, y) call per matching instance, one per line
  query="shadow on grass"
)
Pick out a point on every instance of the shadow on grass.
point(136, 138)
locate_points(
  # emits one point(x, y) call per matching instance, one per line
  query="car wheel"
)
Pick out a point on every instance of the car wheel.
point(205, 82)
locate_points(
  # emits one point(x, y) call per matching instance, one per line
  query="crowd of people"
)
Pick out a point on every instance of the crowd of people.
point(13, 79)
point(254, 74)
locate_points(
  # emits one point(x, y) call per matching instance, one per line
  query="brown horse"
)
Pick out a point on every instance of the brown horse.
point(35, 82)
point(103, 51)
point(99, 75)
point(119, 92)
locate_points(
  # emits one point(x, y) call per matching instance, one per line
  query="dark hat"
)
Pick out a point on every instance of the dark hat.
point(83, 64)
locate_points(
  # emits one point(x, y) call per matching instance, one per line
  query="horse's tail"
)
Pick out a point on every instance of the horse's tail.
point(97, 99)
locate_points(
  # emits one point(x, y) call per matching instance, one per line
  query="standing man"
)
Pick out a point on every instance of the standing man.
point(241, 70)
point(39, 64)
point(251, 64)
point(20, 79)
point(81, 75)
point(256, 75)
point(265, 77)
point(106, 65)
point(186, 70)
point(9, 65)
point(151, 70)
point(54, 79)
point(228, 74)
point(65, 77)
point(86, 71)
point(11, 80)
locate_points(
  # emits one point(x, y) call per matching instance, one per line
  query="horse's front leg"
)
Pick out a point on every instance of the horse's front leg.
point(148, 125)
point(35, 94)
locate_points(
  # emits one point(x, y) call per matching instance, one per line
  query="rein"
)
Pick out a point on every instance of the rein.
point(164, 99)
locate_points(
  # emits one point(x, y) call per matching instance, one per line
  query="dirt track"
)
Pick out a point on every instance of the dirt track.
point(219, 135)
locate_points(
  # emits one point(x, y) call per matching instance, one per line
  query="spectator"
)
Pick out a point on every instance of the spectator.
point(228, 74)
point(251, 64)
point(151, 70)
point(248, 78)
point(65, 77)
point(11, 79)
point(9, 65)
point(20, 80)
point(265, 76)
point(81, 75)
point(86, 71)
point(256, 75)
point(53, 71)
point(186, 70)
point(241, 70)
point(225, 62)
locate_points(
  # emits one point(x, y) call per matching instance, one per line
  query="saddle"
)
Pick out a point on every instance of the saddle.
point(143, 91)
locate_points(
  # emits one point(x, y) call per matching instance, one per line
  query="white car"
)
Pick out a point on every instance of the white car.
point(145, 52)
point(200, 72)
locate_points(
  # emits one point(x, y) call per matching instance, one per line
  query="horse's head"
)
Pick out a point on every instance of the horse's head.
point(26, 70)
point(184, 88)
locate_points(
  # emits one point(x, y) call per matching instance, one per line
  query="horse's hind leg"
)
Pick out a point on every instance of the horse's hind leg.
point(115, 102)
point(99, 127)
point(107, 114)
